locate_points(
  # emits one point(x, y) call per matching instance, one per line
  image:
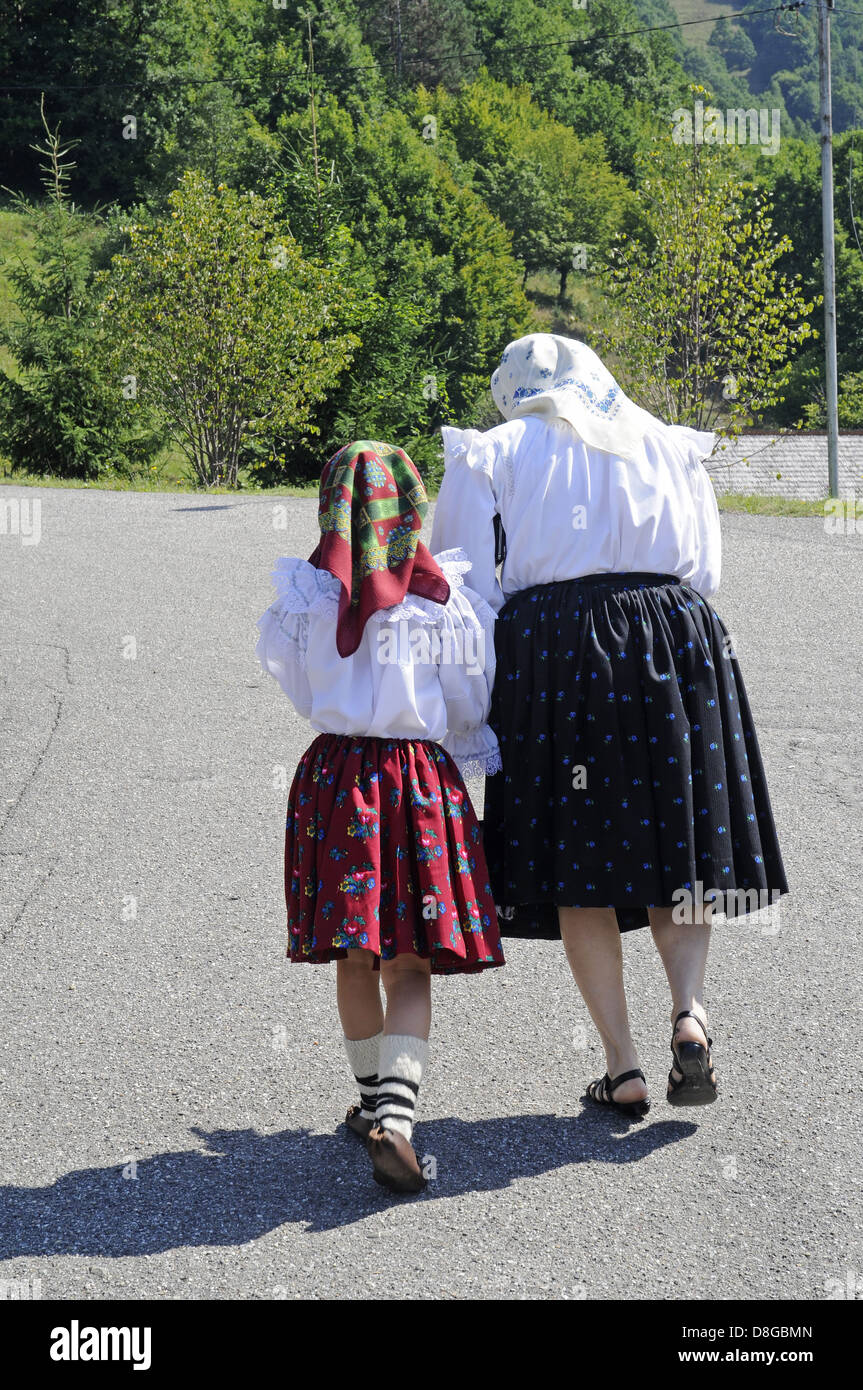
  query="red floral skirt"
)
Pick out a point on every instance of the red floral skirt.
point(383, 853)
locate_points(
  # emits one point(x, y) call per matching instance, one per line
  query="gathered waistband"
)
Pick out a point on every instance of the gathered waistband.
point(633, 579)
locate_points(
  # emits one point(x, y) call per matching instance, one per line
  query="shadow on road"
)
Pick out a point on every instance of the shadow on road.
point(246, 1184)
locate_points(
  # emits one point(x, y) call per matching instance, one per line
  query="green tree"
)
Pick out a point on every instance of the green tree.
point(150, 89)
point(386, 392)
point(101, 64)
point(62, 411)
point(550, 187)
point(227, 330)
point(700, 316)
point(428, 257)
point(588, 68)
point(733, 43)
point(792, 180)
point(422, 41)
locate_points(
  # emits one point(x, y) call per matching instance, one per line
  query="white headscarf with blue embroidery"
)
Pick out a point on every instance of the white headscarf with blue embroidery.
point(545, 374)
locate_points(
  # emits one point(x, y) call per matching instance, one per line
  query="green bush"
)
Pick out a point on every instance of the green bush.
point(62, 412)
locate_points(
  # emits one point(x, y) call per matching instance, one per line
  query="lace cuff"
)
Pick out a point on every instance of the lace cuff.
point(476, 753)
point(455, 566)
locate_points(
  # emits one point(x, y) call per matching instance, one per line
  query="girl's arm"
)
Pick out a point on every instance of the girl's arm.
point(281, 650)
point(302, 589)
point(466, 506)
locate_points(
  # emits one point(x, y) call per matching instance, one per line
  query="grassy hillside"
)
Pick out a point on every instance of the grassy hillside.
point(697, 34)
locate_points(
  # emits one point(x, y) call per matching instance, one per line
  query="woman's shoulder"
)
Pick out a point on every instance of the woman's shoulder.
point(484, 449)
point(468, 448)
point(679, 454)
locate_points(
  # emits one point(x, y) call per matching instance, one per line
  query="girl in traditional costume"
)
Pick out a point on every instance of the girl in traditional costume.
point(390, 655)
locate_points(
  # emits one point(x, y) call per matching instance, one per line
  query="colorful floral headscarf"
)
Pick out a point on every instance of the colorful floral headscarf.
point(372, 504)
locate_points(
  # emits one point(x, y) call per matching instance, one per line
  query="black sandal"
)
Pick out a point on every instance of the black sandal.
point(357, 1123)
point(694, 1061)
point(600, 1093)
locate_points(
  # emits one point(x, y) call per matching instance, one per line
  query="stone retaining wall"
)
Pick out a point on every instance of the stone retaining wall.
point(792, 465)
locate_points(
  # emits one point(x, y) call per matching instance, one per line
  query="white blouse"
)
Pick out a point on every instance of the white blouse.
point(422, 670)
point(570, 510)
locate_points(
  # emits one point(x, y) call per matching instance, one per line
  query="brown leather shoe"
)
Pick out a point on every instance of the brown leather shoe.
point(357, 1123)
point(395, 1162)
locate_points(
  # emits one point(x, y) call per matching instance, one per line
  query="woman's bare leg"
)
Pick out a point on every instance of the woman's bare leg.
point(591, 940)
point(683, 948)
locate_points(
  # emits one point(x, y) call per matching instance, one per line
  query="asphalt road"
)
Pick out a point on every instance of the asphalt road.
point(170, 1086)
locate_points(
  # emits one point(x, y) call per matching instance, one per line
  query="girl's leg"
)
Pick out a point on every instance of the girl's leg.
point(683, 948)
point(407, 981)
point(591, 939)
point(404, 1046)
point(358, 995)
point(359, 1002)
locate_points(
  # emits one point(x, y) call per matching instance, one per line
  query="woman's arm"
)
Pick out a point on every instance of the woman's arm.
point(709, 556)
point(466, 506)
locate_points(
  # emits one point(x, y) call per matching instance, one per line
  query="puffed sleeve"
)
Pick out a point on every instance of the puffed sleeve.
point(465, 508)
point(697, 445)
point(709, 567)
point(466, 671)
point(284, 628)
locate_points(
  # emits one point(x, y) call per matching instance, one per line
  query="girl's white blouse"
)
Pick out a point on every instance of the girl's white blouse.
point(422, 670)
point(569, 510)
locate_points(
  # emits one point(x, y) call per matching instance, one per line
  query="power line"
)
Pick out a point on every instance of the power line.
point(625, 33)
point(299, 75)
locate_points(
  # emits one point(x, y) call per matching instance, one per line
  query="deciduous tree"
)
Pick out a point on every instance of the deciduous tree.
point(227, 330)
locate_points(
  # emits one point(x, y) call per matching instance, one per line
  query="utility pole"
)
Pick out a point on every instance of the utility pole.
point(824, 9)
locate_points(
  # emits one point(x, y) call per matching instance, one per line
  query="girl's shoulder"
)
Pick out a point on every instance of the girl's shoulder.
point(455, 565)
point(301, 588)
point(463, 609)
point(427, 612)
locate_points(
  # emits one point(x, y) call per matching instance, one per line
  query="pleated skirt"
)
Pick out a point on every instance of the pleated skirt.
point(631, 766)
point(383, 853)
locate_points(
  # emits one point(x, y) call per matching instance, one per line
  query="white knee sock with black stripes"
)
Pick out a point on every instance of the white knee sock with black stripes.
point(400, 1068)
point(363, 1062)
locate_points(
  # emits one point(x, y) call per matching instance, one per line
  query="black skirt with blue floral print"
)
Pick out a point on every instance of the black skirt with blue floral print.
point(631, 767)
